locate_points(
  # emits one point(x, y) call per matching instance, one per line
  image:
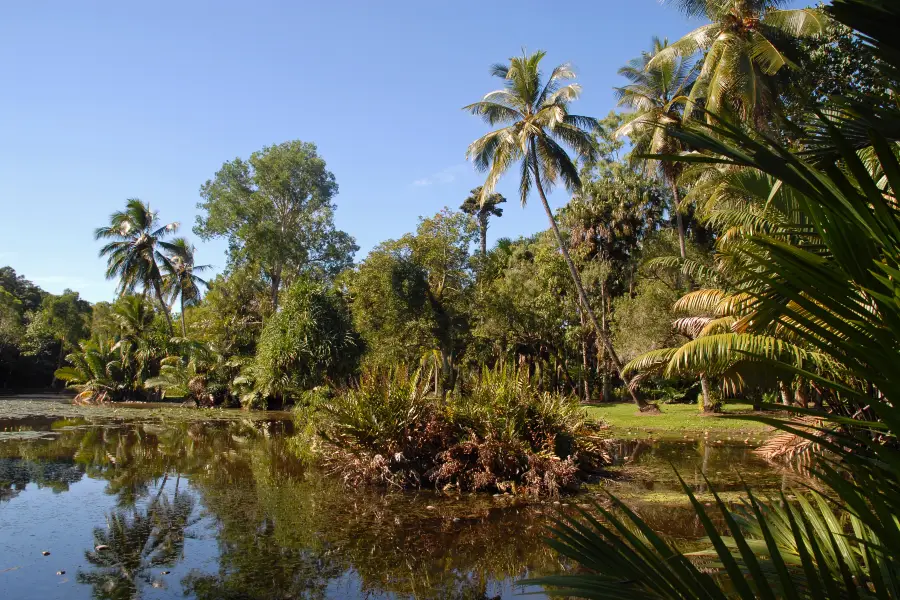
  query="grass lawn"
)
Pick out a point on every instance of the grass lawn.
point(676, 420)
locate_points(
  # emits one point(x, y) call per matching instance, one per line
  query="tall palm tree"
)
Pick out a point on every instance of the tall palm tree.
point(180, 277)
point(537, 121)
point(482, 211)
point(133, 254)
point(744, 46)
point(657, 94)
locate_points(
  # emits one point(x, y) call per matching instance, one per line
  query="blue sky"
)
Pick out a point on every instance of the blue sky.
point(104, 101)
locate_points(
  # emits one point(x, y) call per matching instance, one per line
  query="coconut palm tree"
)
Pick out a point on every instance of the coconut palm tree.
point(657, 96)
point(537, 127)
point(180, 277)
point(134, 253)
point(744, 46)
point(482, 211)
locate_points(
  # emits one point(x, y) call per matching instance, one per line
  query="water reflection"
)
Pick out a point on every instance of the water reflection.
point(226, 508)
point(135, 542)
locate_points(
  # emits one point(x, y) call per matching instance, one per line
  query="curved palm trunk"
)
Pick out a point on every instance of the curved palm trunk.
point(576, 278)
point(162, 303)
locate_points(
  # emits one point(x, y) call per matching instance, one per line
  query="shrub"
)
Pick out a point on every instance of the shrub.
point(504, 435)
point(308, 342)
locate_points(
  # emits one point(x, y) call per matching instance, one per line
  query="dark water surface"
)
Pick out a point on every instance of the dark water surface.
point(174, 503)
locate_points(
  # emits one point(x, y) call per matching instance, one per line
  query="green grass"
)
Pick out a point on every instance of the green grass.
point(676, 420)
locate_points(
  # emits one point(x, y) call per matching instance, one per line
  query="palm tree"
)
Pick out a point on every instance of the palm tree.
point(744, 46)
point(133, 254)
point(657, 96)
point(538, 120)
point(483, 211)
point(180, 277)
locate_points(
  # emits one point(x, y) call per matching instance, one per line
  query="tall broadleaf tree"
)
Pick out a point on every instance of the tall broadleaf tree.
point(537, 127)
point(276, 211)
point(744, 46)
point(180, 275)
point(657, 94)
point(136, 250)
point(483, 210)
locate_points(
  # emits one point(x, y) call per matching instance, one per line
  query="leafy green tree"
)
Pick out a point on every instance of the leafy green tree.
point(309, 342)
point(23, 290)
point(483, 211)
point(413, 295)
point(136, 250)
point(180, 277)
point(230, 317)
point(60, 322)
point(656, 94)
point(12, 334)
point(538, 121)
point(526, 309)
point(276, 211)
point(390, 305)
point(746, 44)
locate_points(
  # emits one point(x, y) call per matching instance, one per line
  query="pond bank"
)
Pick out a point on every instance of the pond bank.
point(679, 421)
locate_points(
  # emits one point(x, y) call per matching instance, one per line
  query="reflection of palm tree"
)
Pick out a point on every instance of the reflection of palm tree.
point(133, 543)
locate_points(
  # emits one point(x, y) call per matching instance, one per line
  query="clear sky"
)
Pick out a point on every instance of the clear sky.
point(103, 101)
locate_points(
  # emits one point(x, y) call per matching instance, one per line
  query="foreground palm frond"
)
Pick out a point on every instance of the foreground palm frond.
point(840, 303)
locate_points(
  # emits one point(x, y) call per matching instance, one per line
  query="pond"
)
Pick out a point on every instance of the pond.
point(172, 503)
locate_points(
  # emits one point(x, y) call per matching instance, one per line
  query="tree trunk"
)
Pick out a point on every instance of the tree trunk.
point(183, 326)
point(482, 225)
point(676, 195)
point(59, 362)
point(785, 393)
point(276, 285)
point(576, 278)
point(707, 405)
point(162, 303)
point(801, 395)
point(585, 360)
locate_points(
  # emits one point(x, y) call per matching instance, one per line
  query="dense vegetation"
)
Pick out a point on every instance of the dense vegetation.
point(735, 233)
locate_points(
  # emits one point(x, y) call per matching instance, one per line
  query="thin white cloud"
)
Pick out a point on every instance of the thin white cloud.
point(444, 176)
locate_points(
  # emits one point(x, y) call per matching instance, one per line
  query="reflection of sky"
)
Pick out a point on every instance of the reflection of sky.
point(38, 520)
point(63, 523)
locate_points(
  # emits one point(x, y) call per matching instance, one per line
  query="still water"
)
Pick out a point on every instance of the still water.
point(175, 503)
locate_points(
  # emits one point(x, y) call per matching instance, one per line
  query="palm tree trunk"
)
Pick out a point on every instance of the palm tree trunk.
point(183, 327)
point(162, 303)
point(483, 227)
point(576, 278)
point(679, 221)
point(707, 405)
point(585, 359)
